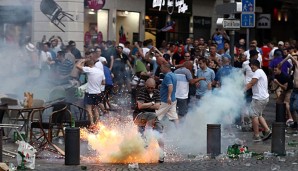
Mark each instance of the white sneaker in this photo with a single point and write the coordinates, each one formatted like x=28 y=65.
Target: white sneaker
x=289 y=122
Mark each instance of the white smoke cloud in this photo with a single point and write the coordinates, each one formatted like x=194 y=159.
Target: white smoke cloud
x=221 y=106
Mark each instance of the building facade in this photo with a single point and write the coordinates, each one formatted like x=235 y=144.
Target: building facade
x=129 y=20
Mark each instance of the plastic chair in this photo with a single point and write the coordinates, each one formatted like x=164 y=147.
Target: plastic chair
x=54 y=12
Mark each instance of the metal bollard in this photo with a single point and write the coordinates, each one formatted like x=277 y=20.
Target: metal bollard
x=213 y=140
x=72 y=146
x=278 y=138
x=280 y=112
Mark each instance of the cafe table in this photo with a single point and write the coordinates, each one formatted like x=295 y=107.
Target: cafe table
x=23 y=114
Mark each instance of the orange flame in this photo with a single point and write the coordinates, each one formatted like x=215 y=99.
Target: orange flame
x=120 y=144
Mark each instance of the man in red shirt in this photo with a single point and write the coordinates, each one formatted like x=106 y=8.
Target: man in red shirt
x=265 y=58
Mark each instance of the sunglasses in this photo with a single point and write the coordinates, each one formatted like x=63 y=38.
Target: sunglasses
x=151 y=88
x=187 y=56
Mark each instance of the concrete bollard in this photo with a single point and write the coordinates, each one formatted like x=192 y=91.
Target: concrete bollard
x=72 y=146
x=280 y=112
x=213 y=139
x=278 y=138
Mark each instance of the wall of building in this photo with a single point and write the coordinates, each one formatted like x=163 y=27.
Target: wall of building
x=15 y=2
x=207 y=9
x=74 y=30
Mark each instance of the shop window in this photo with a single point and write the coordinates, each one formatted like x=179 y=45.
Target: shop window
x=127 y=26
x=96 y=26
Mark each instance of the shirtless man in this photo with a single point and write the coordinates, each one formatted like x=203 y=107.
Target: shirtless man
x=294 y=95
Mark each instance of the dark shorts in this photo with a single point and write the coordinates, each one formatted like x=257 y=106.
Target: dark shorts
x=248 y=96
x=182 y=107
x=93 y=99
x=148 y=119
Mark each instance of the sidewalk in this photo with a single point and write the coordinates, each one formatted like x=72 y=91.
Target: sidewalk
x=189 y=162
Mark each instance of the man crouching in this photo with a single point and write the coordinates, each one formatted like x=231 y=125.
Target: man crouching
x=148 y=100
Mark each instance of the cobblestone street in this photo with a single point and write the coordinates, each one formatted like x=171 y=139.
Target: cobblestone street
x=184 y=161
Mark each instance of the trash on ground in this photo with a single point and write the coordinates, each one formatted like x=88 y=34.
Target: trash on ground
x=133 y=166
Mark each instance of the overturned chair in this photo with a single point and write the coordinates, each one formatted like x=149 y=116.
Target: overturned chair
x=54 y=12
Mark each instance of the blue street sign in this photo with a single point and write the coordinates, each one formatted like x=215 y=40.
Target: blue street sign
x=248 y=20
x=248 y=5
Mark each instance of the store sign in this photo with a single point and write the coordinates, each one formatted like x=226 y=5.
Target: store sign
x=96 y=4
x=264 y=21
x=182 y=6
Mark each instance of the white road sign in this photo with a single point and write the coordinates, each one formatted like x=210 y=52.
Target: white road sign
x=231 y=24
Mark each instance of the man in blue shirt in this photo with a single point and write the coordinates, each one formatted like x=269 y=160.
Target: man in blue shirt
x=63 y=69
x=220 y=36
x=225 y=70
x=205 y=77
x=167 y=95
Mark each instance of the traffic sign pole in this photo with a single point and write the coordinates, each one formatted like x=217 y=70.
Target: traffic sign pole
x=248 y=17
x=247 y=38
x=232 y=38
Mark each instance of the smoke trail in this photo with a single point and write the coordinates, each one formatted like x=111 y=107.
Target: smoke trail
x=221 y=106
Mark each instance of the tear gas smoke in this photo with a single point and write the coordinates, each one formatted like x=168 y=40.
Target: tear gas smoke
x=221 y=106
x=15 y=63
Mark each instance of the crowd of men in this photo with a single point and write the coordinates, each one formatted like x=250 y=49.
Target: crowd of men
x=162 y=81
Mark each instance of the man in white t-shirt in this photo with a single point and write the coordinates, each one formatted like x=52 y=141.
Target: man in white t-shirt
x=184 y=77
x=273 y=48
x=93 y=95
x=46 y=59
x=146 y=47
x=260 y=99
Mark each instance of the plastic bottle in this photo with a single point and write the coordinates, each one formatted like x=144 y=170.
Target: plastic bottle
x=293 y=143
x=73 y=123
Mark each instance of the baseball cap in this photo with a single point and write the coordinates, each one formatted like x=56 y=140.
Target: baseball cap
x=121 y=45
x=281 y=43
x=102 y=59
x=92 y=50
x=30 y=47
